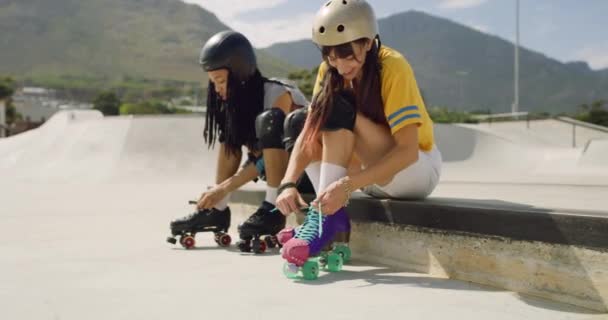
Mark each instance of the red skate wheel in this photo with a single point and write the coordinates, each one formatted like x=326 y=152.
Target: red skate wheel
x=224 y=240
x=262 y=247
x=270 y=241
x=258 y=246
x=244 y=246
x=188 y=242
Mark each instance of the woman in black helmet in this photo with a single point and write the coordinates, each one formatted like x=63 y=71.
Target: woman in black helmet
x=243 y=109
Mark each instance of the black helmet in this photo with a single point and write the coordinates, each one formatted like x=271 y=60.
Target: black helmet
x=230 y=50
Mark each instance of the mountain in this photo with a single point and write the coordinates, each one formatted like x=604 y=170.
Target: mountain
x=154 y=39
x=462 y=68
x=301 y=53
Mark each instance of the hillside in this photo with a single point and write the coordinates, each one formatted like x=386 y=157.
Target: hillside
x=154 y=39
x=465 y=69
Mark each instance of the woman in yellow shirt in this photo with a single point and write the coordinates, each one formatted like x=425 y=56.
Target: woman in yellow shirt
x=367 y=114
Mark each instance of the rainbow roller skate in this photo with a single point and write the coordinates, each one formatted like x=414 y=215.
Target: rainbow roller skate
x=312 y=246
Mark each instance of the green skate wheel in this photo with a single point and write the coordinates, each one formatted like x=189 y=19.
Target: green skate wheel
x=290 y=270
x=310 y=270
x=334 y=262
x=344 y=251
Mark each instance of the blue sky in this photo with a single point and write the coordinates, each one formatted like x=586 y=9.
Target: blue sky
x=566 y=30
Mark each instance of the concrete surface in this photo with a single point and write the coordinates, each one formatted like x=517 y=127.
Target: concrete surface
x=473 y=154
x=538 y=195
x=595 y=153
x=85 y=205
x=564 y=273
x=541 y=133
x=94 y=251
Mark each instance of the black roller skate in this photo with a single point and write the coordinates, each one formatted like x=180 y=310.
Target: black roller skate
x=265 y=221
x=208 y=220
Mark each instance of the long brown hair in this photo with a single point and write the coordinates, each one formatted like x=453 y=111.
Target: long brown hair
x=368 y=98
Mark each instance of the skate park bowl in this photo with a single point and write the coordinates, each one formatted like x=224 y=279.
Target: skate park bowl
x=511 y=212
x=595 y=153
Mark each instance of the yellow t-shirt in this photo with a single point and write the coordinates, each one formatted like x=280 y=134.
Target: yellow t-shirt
x=403 y=103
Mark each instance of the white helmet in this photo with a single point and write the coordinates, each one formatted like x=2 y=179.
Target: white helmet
x=343 y=21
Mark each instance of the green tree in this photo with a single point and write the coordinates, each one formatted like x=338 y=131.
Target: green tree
x=594 y=113
x=108 y=103
x=7 y=89
x=443 y=115
x=305 y=79
x=145 y=107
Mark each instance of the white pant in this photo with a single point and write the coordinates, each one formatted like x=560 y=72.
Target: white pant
x=414 y=182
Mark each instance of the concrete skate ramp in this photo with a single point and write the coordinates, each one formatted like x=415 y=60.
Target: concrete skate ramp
x=458 y=143
x=543 y=133
x=72 y=146
x=474 y=154
x=467 y=148
x=158 y=149
x=83 y=146
x=160 y=162
x=595 y=154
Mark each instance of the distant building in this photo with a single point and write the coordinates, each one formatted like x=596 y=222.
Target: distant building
x=38 y=104
x=35 y=91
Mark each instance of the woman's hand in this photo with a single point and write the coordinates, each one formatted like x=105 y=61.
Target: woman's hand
x=290 y=201
x=210 y=198
x=331 y=199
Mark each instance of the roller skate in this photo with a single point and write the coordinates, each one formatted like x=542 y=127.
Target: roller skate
x=342 y=234
x=266 y=221
x=320 y=243
x=208 y=220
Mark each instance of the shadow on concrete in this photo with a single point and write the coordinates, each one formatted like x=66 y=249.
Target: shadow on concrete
x=549 y=237
x=487 y=221
x=375 y=275
x=551 y=305
x=269 y=253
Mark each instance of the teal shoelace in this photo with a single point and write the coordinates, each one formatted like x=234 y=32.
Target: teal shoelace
x=313 y=225
x=307 y=228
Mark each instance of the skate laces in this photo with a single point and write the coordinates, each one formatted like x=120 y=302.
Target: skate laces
x=312 y=226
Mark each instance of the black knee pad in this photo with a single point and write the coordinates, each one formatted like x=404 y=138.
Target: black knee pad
x=343 y=112
x=269 y=128
x=294 y=123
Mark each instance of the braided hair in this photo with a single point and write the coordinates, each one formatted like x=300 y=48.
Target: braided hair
x=232 y=122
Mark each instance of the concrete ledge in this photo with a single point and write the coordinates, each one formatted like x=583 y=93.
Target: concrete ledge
x=554 y=254
x=493 y=218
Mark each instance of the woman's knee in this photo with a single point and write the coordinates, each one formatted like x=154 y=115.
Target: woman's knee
x=269 y=128
x=292 y=127
x=343 y=113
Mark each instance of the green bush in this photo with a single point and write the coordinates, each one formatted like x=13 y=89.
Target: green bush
x=305 y=80
x=7 y=87
x=443 y=115
x=595 y=113
x=108 y=103
x=149 y=107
